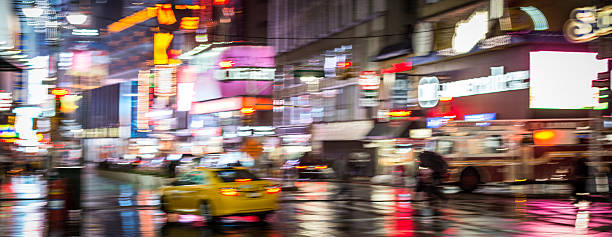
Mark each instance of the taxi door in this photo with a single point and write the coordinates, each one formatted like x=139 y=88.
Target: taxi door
x=193 y=193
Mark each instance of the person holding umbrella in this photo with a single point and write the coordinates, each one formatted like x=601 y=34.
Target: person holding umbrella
x=432 y=169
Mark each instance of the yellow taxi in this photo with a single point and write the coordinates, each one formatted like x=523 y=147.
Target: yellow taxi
x=218 y=192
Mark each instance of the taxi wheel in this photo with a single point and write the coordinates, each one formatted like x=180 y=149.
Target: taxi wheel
x=263 y=216
x=163 y=205
x=205 y=212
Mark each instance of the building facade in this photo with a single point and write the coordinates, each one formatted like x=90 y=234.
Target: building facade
x=322 y=47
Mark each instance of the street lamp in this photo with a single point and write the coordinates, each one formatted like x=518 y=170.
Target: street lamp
x=76 y=18
x=32 y=11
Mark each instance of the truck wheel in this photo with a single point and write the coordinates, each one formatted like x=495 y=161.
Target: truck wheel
x=469 y=180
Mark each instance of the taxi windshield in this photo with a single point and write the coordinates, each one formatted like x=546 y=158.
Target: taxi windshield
x=235 y=175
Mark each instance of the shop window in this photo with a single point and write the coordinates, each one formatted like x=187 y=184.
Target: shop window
x=445 y=147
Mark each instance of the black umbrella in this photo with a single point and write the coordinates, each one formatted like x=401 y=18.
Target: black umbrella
x=433 y=161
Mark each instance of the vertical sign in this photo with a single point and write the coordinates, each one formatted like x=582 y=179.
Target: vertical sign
x=369 y=82
x=142 y=103
x=165 y=81
x=404 y=93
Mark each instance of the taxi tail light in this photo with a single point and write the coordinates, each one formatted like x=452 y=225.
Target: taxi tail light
x=301 y=167
x=321 y=167
x=242 y=180
x=228 y=191
x=273 y=189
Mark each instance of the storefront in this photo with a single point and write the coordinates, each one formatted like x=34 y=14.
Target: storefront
x=232 y=96
x=395 y=143
x=507 y=73
x=345 y=140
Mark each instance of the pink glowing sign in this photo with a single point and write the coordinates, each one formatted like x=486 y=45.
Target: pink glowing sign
x=81 y=61
x=249 y=56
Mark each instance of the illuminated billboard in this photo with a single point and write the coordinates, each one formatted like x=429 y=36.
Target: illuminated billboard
x=563 y=80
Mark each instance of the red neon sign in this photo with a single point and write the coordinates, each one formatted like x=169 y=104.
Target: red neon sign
x=220 y=2
x=399 y=67
x=400 y=113
x=446 y=99
x=247 y=110
x=344 y=64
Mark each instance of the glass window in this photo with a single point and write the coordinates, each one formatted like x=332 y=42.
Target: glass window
x=445 y=147
x=195 y=177
x=232 y=175
x=494 y=144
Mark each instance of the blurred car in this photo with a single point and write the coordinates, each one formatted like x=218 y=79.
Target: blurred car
x=217 y=192
x=313 y=169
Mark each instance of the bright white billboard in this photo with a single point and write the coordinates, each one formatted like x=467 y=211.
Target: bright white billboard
x=563 y=80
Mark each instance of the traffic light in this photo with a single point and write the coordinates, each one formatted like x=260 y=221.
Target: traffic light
x=603 y=83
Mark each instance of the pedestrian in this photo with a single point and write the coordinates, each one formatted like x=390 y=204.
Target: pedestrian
x=343 y=172
x=581 y=174
x=172 y=168
x=2 y=172
x=400 y=174
x=437 y=170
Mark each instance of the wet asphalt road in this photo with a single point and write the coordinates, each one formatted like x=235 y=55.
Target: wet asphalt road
x=114 y=208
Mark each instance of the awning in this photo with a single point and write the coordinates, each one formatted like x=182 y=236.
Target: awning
x=394 y=129
x=341 y=131
x=8 y=66
x=387 y=130
x=393 y=51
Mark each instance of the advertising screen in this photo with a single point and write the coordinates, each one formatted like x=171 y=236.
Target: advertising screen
x=563 y=80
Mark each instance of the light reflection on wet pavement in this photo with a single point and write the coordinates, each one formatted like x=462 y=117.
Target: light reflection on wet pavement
x=114 y=208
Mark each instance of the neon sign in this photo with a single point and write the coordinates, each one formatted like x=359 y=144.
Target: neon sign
x=369 y=82
x=537 y=17
x=6 y=101
x=563 y=80
x=588 y=23
x=498 y=81
x=428 y=92
x=226 y=64
x=142 y=100
x=400 y=113
x=431 y=91
x=480 y=117
x=437 y=122
x=399 y=67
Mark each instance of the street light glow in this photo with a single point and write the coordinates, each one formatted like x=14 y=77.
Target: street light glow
x=76 y=18
x=32 y=11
